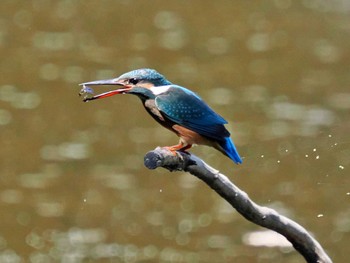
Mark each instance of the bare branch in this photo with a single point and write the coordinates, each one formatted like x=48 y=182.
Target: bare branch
x=266 y=217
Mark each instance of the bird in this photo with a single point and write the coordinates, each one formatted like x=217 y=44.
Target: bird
x=176 y=108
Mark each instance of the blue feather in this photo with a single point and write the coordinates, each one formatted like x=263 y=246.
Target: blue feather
x=184 y=107
x=230 y=150
x=146 y=74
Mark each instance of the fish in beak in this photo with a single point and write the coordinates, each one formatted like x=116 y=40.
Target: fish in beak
x=88 y=93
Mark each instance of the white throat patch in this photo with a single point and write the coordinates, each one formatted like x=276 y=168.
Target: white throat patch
x=160 y=89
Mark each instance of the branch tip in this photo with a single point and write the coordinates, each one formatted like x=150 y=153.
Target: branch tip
x=302 y=241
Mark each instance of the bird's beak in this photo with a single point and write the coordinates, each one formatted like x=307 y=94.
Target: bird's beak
x=116 y=82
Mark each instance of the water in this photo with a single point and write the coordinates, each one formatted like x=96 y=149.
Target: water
x=73 y=185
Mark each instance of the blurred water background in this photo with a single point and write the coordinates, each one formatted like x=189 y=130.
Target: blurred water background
x=73 y=187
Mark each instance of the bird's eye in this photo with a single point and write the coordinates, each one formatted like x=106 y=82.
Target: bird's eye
x=133 y=81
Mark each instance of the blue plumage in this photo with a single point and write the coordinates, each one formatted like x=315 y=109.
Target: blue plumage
x=230 y=150
x=176 y=108
x=146 y=74
x=182 y=106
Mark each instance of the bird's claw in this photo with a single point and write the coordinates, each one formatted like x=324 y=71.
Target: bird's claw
x=175 y=150
x=171 y=149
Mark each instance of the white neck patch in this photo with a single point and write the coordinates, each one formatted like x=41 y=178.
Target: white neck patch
x=160 y=89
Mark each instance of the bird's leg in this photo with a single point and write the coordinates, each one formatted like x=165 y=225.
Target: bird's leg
x=178 y=147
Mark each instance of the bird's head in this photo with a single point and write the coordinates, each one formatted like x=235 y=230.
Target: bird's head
x=139 y=78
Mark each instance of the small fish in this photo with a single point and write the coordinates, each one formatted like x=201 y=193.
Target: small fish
x=87 y=93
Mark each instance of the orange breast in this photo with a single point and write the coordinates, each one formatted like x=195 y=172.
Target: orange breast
x=190 y=137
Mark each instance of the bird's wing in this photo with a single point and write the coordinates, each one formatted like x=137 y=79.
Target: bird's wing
x=185 y=108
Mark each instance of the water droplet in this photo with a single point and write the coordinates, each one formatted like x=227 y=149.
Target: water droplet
x=314 y=150
x=341 y=167
x=317 y=157
x=320 y=215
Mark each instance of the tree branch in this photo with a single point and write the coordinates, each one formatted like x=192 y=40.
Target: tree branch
x=266 y=217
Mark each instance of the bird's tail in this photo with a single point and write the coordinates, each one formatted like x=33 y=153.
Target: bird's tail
x=229 y=149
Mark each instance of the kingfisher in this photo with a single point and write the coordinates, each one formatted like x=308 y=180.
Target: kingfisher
x=176 y=108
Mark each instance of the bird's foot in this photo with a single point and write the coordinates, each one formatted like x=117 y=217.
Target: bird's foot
x=173 y=149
